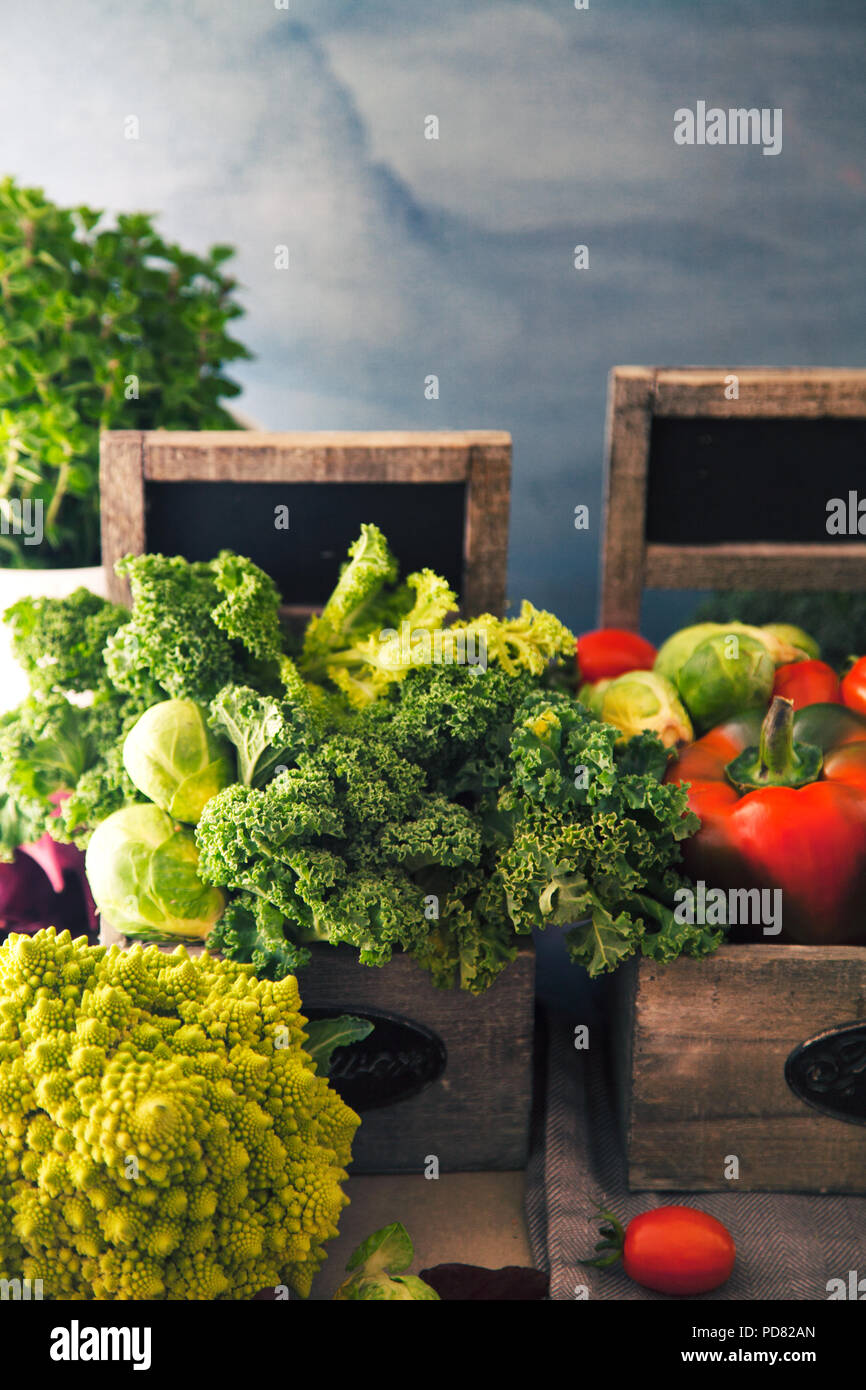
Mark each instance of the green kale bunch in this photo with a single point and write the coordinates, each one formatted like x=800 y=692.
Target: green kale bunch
x=94 y=668
x=334 y=848
x=447 y=820
x=373 y=631
x=590 y=836
x=195 y=627
x=101 y=327
x=397 y=802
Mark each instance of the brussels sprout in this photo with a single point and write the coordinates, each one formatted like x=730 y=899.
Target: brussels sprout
x=592 y=695
x=645 y=700
x=174 y=759
x=141 y=867
x=677 y=650
x=725 y=675
x=794 y=637
x=377 y=1270
x=780 y=651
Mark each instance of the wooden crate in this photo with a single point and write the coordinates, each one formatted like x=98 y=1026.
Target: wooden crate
x=474 y=1115
x=643 y=399
x=700 y=1048
x=197 y=466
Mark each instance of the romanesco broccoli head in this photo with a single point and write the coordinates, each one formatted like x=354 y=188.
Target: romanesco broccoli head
x=163 y=1133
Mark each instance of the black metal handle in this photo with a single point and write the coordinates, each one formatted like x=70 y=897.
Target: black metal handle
x=828 y=1072
x=397 y=1060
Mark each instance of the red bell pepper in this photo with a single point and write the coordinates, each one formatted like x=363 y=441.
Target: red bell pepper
x=807 y=683
x=611 y=652
x=783 y=805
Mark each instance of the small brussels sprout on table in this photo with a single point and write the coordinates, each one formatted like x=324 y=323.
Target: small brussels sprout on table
x=377 y=1270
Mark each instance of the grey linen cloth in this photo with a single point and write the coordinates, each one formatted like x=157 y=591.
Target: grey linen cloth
x=788 y=1245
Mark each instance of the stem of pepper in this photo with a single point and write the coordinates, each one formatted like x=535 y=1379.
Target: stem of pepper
x=778 y=761
x=777 y=737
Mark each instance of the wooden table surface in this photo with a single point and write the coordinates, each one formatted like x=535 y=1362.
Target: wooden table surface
x=466 y=1218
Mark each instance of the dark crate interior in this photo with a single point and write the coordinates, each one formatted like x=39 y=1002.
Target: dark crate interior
x=424 y=523
x=714 y=480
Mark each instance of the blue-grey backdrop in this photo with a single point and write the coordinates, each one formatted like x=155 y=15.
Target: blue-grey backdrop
x=302 y=123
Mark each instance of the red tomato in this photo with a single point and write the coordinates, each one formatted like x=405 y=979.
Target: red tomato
x=854 y=686
x=678 y=1250
x=610 y=652
x=808 y=683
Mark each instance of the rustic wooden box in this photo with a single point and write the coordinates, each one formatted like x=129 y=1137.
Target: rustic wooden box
x=207 y=474
x=700 y=1049
x=473 y=1054
x=475 y=1115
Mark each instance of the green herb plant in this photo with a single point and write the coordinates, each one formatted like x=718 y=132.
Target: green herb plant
x=101 y=327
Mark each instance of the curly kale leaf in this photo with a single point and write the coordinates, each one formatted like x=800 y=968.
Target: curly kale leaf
x=249 y=612
x=195 y=627
x=442 y=832
x=49 y=745
x=249 y=933
x=350 y=612
x=265 y=731
x=59 y=642
x=373 y=633
x=404 y=634
x=454 y=721
x=332 y=843
x=470 y=938
x=171 y=640
x=529 y=642
x=100 y=791
x=590 y=836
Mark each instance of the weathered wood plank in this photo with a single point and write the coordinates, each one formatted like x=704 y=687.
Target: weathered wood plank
x=121 y=486
x=804 y=393
x=780 y=1156
x=477 y=1115
x=701 y=1048
x=485 y=539
x=628 y=442
x=766 y=565
x=325 y=457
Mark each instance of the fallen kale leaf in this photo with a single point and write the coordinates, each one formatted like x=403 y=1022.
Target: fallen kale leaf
x=326 y=1035
x=377 y=1270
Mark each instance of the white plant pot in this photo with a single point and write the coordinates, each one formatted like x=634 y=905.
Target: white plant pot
x=16 y=584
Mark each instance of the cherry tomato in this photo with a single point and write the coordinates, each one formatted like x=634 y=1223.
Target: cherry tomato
x=678 y=1250
x=808 y=683
x=610 y=652
x=854 y=686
